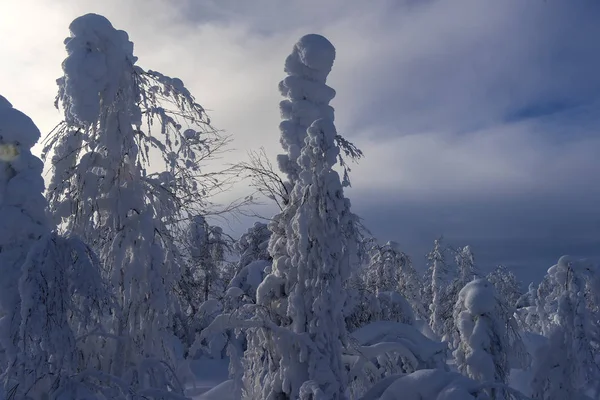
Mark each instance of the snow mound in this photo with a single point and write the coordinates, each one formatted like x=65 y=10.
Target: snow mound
x=431 y=385
x=311 y=58
x=93 y=70
x=316 y=52
x=429 y=353
x=478 y=297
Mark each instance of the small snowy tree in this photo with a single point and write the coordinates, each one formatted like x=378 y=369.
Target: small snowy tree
x=312 y=243
x=465 y=262
x=253 y=245
x=439 y=271
x=53 y=295
x=506 y=284
x=207 y=248
x=62 y=299
x=484 y=349
x=391 y=270
x=567 y=366
x=22 y=212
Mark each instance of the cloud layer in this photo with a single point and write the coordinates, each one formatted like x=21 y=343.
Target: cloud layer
x=479 y=120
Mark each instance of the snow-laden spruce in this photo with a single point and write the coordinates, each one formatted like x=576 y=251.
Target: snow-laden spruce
x=439 y=271
x=312 y=242
x=567 y=366
x=465 y=262
x=22 y=212
x=117 y=116
x=488 y=341
x=306 y=100
x=310 y=275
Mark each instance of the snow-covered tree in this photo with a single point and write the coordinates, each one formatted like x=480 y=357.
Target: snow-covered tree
x=465 y=262
x=391 y=270
x=312 y=243
x=117 y=116
x=312 y=271
x=383 y=271
x=253 y=245
x=567 y=366
x=484 y=349
x=439 y=271
x=22 y=212
x=62 y=299
x=527 y=310
x=506 y=284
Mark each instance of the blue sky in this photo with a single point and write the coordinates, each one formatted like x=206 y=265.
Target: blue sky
x=479 y=119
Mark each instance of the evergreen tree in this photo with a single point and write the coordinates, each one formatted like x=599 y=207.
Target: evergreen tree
x=567 y=366
x=439 y=272
x=312 y=243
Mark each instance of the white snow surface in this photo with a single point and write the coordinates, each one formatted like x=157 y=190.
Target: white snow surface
x=478 y=297
x=98 y=54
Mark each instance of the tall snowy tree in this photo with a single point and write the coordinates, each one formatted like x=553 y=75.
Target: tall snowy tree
x=312 y=244
x=102 y=190
x=206 y=251
x=253 y=245
x=439 y=271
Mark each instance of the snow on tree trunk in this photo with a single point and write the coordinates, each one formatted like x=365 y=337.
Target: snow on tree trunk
x=22 y=212
x=103 y=191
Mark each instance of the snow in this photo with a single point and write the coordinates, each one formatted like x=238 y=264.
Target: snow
x=478 y=297
x=431 y=385
x=223 y=391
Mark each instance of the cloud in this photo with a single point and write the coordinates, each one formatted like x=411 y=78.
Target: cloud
x=465 y=109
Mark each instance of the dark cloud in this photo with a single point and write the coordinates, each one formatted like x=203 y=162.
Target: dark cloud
x=528 y=232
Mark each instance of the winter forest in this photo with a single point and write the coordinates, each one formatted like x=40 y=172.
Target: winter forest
x=119 y=283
